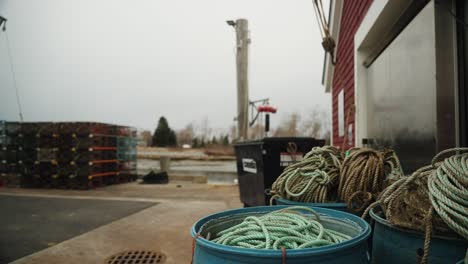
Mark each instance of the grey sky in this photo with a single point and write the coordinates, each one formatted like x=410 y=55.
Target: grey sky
x=129 y=62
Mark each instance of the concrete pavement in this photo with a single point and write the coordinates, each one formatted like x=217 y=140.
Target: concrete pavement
x=164 y=227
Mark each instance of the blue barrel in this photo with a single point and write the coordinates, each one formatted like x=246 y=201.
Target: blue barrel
x=392 y=244
x=350 y=252
x=335 y=206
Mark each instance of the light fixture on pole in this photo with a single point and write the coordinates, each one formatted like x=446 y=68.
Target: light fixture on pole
x=231 y=23
x=3 y=22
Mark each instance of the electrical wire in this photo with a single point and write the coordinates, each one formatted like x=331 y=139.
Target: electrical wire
x=14 y=76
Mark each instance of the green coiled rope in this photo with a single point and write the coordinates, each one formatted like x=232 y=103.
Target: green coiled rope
x=312 y=180
x=289 y=228
x=448 y=190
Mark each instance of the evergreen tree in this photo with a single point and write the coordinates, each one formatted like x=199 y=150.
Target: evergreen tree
x=214 y=141
x=226 y=140
x=202 y=144
x=172 y=141
x=163 y=135
x=195 y=143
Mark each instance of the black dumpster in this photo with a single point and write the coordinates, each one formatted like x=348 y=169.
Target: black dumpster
x=260 y=162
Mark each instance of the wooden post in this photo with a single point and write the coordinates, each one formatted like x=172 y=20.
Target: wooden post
x=242 y=57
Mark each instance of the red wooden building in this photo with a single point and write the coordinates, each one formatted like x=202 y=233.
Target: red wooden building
x=348 y=14
x=399 y=76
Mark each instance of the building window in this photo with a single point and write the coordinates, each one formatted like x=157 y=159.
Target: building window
x=341 y=121
x=350 y=135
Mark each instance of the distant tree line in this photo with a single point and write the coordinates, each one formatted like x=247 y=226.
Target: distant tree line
x=164 y=136
x=315 y=124
x=201 y=142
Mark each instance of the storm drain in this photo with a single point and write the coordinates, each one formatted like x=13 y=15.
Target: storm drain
x=137 y=257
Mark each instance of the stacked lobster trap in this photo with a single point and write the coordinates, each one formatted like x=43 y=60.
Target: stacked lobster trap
x=11 y=153
x=76 y=155
x=126 y=150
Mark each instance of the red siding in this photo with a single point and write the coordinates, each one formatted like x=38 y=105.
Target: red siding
x=343 y=77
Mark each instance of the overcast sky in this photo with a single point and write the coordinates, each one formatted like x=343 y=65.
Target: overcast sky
x=129 y=62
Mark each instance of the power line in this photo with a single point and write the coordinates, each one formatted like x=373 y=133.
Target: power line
x=13 y=74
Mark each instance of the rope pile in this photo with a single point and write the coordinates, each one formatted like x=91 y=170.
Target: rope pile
x=448 y=192
x=289 y=228
x=312 y=180
x=364 y=174
x=410 y=202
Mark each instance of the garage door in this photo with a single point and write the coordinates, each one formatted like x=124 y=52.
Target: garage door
x=401 y=93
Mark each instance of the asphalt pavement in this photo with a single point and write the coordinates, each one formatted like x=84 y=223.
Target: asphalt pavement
x=30 y=224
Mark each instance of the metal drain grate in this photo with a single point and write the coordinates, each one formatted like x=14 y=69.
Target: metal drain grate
x=137 y=257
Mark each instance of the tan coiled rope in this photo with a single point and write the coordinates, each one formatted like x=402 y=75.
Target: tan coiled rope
x=364 y=174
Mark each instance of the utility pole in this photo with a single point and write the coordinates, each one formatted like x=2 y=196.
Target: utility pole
x=242 y=58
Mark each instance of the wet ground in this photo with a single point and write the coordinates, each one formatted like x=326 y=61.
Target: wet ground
x=131 y=223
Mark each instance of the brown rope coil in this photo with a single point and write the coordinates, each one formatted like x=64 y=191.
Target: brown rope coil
x=364 y=174
x=406 y=204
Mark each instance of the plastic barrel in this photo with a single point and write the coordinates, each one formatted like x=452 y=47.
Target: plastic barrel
x=351 y=251
x=335 y=206
x=392 y=244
